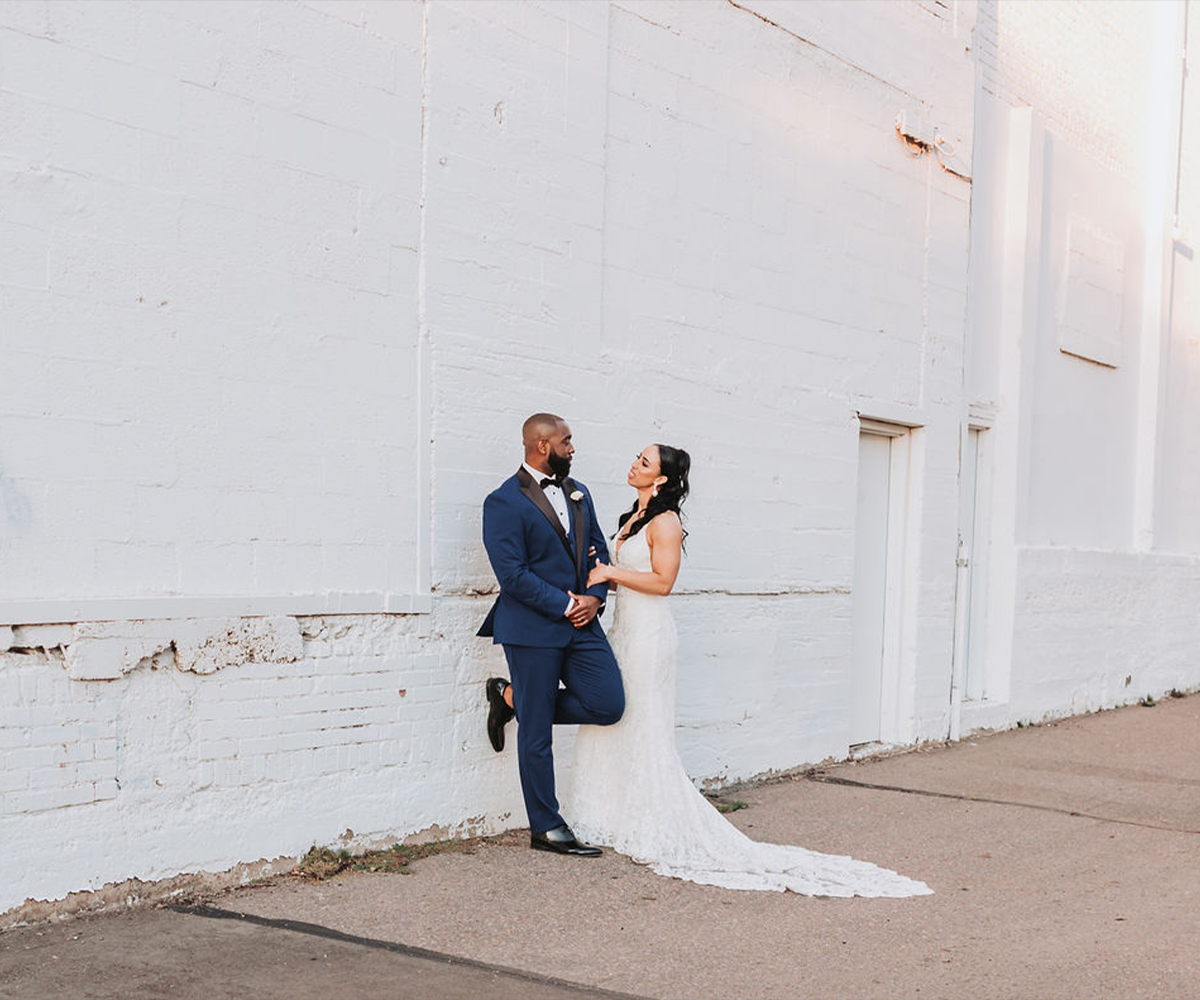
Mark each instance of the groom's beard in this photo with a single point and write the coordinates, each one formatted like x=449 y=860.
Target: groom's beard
x=560 y=465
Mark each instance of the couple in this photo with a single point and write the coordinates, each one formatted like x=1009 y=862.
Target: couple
x=630 y=789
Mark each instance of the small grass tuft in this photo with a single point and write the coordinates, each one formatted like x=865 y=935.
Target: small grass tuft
x=732 y=806
x=1147 y=701
x=321 y=863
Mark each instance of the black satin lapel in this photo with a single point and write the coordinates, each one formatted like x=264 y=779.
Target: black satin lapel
x=534 y=492
x=578 y=525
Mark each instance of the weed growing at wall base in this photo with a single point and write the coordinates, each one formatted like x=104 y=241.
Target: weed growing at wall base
x=321 y=863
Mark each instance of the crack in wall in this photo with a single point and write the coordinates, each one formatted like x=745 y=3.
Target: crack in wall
x=92 y=651
x=832 y=55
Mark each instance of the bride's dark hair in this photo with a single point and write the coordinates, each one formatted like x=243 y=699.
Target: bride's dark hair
x=674 y=463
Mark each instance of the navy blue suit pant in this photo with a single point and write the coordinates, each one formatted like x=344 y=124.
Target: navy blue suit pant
x=592 y=694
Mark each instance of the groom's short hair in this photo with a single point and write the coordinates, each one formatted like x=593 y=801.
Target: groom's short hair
x=538 y=426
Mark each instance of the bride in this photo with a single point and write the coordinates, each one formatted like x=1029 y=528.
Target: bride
x=630 y=790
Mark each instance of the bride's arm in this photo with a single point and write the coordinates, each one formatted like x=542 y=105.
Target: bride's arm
x=665 y=537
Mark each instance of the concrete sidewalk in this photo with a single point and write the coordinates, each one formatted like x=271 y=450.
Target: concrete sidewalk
x=1065 y=861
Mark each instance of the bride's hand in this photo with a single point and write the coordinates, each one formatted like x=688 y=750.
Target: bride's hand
x=599 y=574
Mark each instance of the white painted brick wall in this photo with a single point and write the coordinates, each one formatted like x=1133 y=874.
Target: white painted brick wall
x=1083 y=64
x=278 y=283
x=163 y=770
x=1102 y=606
x=1177 y=527
x=773 y=260
x=1096 y=629
x=206 y=333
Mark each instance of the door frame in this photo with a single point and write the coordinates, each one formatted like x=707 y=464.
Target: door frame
x=897 y=692
x=969 y=677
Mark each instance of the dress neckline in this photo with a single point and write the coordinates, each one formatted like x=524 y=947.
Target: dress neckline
x=621 y=543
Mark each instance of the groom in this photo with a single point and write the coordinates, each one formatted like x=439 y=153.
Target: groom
x=541 y=535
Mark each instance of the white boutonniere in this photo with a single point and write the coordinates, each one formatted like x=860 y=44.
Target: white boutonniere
x=577 y=495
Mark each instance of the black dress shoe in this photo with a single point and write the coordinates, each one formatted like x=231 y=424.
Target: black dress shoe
x=561 y=840
x=498 y=713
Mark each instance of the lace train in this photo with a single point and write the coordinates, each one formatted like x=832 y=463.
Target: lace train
x=630 y=792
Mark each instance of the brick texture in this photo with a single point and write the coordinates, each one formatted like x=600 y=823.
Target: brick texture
x=207 y=333
x=279 y=281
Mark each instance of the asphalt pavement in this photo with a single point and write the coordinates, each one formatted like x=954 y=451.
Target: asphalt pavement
x=1064 y=859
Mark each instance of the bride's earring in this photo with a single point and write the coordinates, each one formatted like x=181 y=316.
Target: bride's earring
x=654 y=490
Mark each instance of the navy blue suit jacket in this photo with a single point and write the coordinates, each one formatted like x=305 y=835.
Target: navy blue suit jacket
x=536 y=562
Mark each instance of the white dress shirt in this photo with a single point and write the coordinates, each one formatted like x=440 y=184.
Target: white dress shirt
x=559 y=502
x=555 y=495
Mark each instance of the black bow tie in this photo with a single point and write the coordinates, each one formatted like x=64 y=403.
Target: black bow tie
x=556 y=481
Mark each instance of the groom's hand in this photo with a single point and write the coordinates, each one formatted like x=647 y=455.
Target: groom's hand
x=584 y=609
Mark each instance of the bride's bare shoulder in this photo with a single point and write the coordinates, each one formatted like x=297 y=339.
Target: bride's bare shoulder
x=665 y=527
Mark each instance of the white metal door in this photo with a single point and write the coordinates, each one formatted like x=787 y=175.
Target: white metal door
x=974 y=522
x=969 y=680
x=870 y=585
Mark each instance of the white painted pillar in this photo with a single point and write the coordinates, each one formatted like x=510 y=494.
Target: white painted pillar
x=1163 y=135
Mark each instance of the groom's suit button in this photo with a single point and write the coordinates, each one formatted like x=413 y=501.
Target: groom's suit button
x=561 y=840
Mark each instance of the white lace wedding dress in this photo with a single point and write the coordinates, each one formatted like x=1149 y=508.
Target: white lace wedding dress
x=630 y=792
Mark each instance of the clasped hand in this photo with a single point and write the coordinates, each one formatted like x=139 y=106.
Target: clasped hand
x=583 y=610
